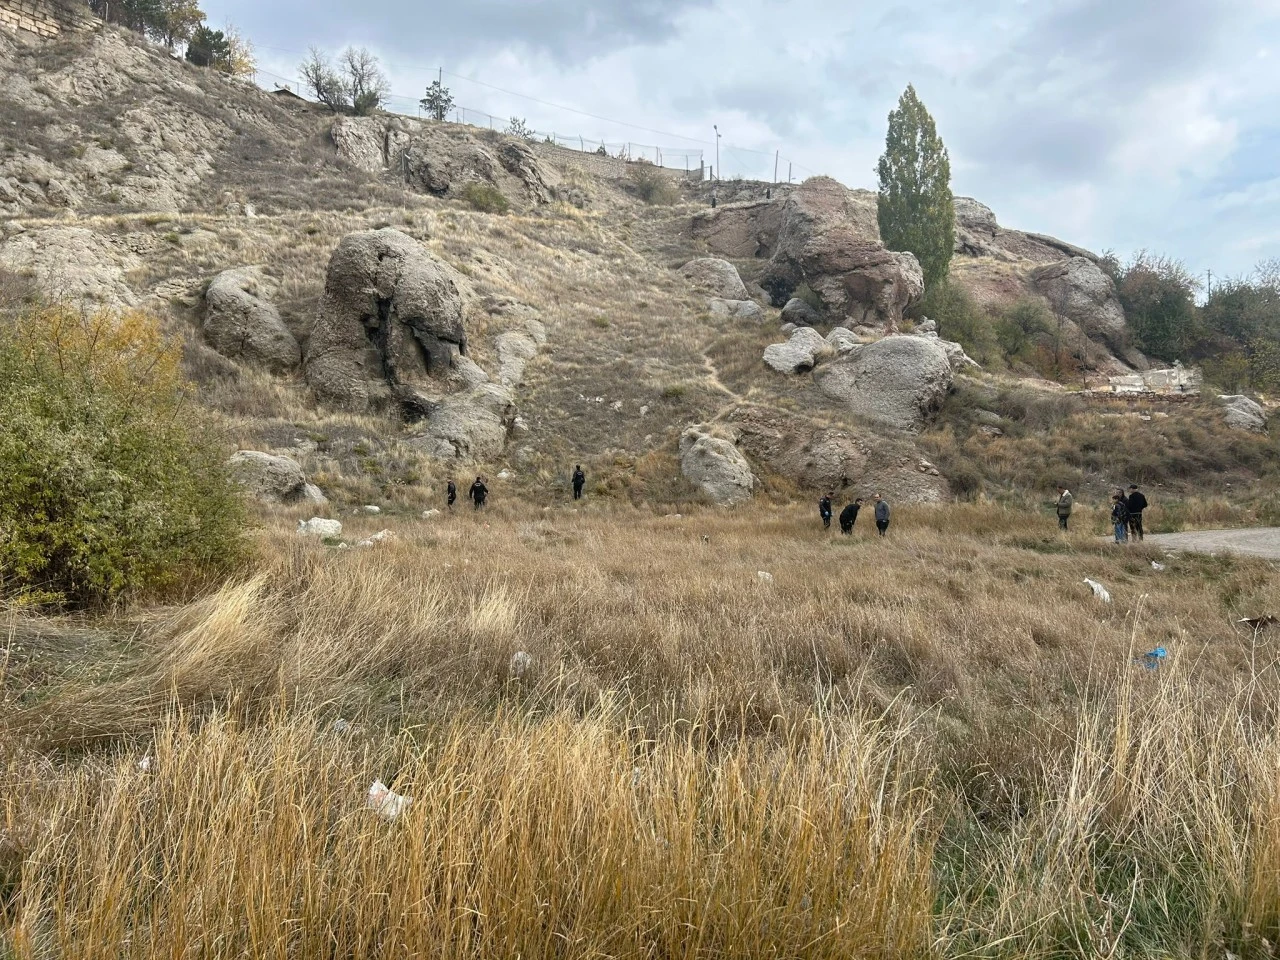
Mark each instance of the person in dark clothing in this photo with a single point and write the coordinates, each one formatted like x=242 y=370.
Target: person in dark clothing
x=1065 y=503
x=882 y=515
x=479 y=492
x=849 y=516
x=1120 y=518
x=579 y=481
x=452 y=491
x=824 y=511
x=1136 y=503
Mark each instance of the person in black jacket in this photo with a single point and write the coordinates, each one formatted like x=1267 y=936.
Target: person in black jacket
x=479 y=492
x=1136 y=503
x=1120 y=518
x=579 y=481
x=824 y=511
x=452 y=493
x=849 y=516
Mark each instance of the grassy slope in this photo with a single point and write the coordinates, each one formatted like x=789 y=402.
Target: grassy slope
x=961 y=664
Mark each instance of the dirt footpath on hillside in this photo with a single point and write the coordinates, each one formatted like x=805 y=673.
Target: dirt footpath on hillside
x=1255 y=542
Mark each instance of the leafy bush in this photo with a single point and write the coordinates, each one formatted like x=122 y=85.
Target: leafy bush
x=960 y=319
x=111 y=485
x=485 y=198
x=653 y=185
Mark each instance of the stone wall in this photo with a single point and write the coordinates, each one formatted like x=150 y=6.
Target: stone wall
x=45 y=18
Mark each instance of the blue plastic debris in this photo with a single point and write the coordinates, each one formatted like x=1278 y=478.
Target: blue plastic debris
x=1153 y=659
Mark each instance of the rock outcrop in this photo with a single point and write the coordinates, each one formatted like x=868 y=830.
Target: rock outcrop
x=799 y=312
x=242 y=323
x=272 y=479
x=473 y=425
x=1243 y=414
x=716 y=277
x=74 y=264
x=898 y=381
x=715 y=466
x=800 y=354
x=1078 y=290
x=390 y=325
x=737 y=309
x=856 y=460
x=824 y=245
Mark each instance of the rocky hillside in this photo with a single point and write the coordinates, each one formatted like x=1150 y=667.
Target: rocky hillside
x=389 y=301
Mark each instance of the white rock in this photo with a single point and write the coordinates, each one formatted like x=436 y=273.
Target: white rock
x=521 y=663
x=738 y=309
x=380 y=537
x=386 y=802
x=506 y=475
x=1098 y=589
x=370 y=508
x=320 y=527
x=430 y=514
x=765 y=576
x=1243 y=413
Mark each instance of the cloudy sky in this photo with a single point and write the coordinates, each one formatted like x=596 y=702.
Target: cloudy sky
x=1115 y=124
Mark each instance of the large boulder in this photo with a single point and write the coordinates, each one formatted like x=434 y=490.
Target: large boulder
x=824 y=244
x=716 y=277
x=390 y=324
x=515 y=350
x=898 y=381
x=272 y=479
x=800 y=354
x=473 y=425
x=856 y=460
x=800 y=313
x=1079 y=290
x=242 y=323
x=741 y=230
x=715 y=466
x=1243 y=414
x=737 y=309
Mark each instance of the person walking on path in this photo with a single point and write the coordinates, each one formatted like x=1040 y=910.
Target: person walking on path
x=849 y=516
x=1136 y=503
x=479 y=492
x=882 y=515
x=579 y=481
x=1120 y=518
x=1065 y=503
x=824 y=511
x=452 y=493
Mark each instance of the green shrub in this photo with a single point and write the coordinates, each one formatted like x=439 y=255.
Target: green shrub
x=111 y=484
x=960 y=319
x=653 y=185
x=485 y=198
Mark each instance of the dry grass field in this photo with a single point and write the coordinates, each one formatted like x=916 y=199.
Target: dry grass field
x=939 y=744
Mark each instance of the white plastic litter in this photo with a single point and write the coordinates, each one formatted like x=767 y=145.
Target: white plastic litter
x=521 y=663
x=145 y=764
x=1098 y=589
x=320 y=527
x=386 y=802
x=1157 y=565
x=764 y=576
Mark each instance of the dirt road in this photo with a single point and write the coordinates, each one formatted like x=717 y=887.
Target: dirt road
x=1255 y=542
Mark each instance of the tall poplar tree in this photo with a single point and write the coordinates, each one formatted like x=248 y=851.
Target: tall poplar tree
x=915 y=207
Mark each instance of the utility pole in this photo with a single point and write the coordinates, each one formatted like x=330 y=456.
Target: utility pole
x=1209 y=295
x=775 y=165
x=717 y=169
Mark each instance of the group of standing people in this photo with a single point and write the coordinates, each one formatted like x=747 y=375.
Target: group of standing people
x=479 y=491
x=849 y=515
x=1126 y=512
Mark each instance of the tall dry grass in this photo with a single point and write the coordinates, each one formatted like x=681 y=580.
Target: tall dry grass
x=934 y=745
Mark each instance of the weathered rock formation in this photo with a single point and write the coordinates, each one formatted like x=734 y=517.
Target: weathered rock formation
x=855 y=461
x=799 y=312
x=715 y=466
x=473 y=425
x=242 y=323
x=717 y=277
x=272 y=479
x=898 y=381
x=823 y=244
x=737 y=309
x=800 y=354
x=73 y=264
x=1243 y=414
x=390 y=325
x=1078 y=290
